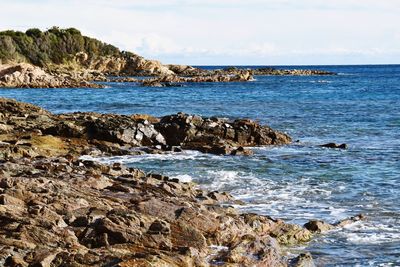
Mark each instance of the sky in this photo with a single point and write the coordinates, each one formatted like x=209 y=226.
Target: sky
x=227 y=32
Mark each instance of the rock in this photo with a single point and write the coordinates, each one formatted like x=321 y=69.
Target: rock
x=318 y=226
x=303 y=260
x=159 y=227
x=24 y=75
x=59 y=210
x=15 y=261
x=241 y=151
x=342 y=223
x=272 y=71
x=334 y=145
x=173 y=80
x=97 y=134
x=219 y=136
x=251 y=251
x=10 y=200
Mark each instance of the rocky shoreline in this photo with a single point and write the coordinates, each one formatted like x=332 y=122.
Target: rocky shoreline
x=24 y=75
x=64 y=58
x=57 y=209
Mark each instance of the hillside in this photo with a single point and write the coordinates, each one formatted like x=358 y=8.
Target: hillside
x=54 y=46
x=69 y=49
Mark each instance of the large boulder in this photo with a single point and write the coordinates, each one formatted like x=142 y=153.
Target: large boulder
x=216 y=135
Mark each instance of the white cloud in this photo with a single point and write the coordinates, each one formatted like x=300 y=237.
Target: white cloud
x=222 y=31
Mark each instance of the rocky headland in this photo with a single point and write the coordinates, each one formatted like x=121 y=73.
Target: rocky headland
x=65 y=58
x=58 y=209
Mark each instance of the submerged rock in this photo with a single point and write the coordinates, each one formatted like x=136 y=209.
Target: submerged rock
x=334 y=145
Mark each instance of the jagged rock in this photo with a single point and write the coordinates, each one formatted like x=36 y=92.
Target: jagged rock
x=303 y=260
x=318 y=226
x=218 y=136
x=94 y=134
x=62 y=211
x=159 y=227
x=58 y=210
x=241 y=151
x=174 y=80
x=342 y=223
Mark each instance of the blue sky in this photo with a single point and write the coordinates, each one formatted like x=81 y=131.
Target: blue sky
x=228 y=32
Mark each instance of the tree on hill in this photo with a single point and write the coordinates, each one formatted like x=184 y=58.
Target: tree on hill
x=54 y=46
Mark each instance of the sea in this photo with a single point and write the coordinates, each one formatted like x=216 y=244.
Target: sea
x=298 y=182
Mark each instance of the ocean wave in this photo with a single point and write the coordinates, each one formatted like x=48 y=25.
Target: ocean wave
x=321 y=81
x=169 y=156
x=365 y=232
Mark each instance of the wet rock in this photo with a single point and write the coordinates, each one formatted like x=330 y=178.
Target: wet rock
x=317 y=226
x=220 y=197
x=303 y=260
x=241 y=151
x=334 y=145
x=342 y=223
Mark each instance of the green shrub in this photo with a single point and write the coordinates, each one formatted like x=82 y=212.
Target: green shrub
x=54 y=46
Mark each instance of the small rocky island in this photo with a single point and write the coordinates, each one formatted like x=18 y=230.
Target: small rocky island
x=57 y=208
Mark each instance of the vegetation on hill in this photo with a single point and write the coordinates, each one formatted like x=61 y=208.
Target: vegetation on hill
x=54 y=46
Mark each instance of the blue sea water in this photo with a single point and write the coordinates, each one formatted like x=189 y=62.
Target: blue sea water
x=297 y=182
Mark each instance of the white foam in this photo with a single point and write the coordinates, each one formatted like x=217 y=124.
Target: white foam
x=184 y=178
x=222 y=178
x=321 y=81
x=337 y=212
x=169 y=156
x=365 y=232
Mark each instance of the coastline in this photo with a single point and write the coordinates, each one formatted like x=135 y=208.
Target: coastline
x=63 y=209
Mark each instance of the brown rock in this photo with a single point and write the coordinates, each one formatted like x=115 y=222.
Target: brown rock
x=318 y=226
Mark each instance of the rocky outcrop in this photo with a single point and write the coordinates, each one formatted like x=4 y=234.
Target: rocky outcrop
x=291 y=72
x=59 y=210
x=216 y=135
x=173 y=80
x=121 y=133
x=273 y=71
x=184 y=70
x=29 y=76
x=125 y=64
